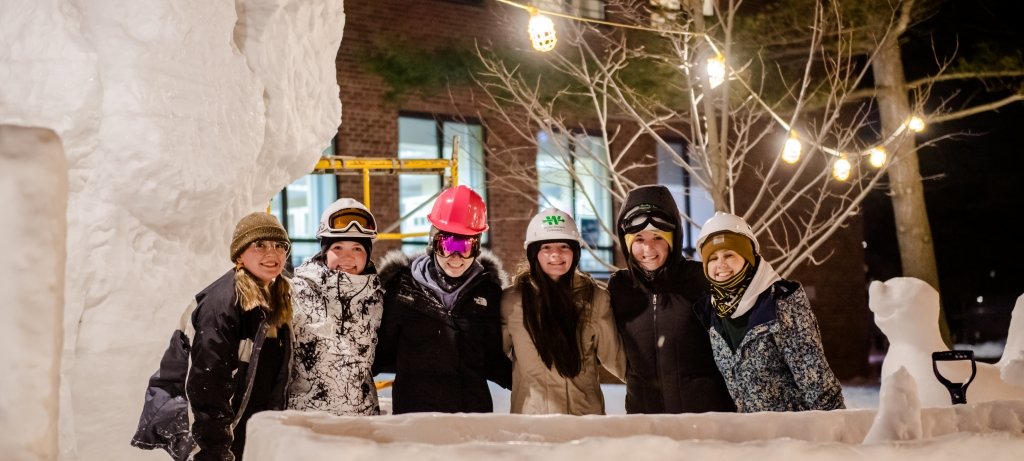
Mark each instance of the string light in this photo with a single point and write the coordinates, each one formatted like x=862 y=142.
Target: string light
x=916 y=124
x=841 y=168
x=876 y=156
x=716 y=70
x=542 y=36
x=542 y=31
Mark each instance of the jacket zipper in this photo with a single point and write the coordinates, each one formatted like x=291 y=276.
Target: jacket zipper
x=261 y=335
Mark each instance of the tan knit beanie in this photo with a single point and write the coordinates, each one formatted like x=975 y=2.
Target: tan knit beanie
x=727 y=240
x=253 y=227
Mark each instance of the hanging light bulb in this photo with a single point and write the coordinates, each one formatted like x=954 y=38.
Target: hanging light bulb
x=791 y=151
x=542 y=31
x=876 y=157
x=716 y=70
x=916 y=124
x=841 y=168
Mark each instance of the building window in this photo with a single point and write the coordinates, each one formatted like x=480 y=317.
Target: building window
x=586 y=197
x=591 y=9
x=692 y=200
x=431 y=138
x=299 y=205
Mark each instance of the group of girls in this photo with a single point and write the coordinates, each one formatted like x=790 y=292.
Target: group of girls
x=724 y=334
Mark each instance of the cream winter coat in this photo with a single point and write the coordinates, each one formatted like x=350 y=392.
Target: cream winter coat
x=537 y=389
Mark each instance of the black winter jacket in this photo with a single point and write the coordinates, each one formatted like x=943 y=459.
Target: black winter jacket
x=441 y=359
x=669 y=363
x=670 y=366
x=222 y=361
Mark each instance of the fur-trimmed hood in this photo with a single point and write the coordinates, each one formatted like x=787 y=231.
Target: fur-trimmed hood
x=395 y=261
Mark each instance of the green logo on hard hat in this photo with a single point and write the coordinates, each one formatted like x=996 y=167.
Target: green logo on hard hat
x=553 y=220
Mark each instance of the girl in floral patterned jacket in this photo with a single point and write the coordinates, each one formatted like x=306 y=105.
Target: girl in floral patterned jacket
x=338 y=306
x=764 y=335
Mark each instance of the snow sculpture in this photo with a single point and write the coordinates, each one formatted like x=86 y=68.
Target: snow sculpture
x=1011 y=364
x=899 y=410
x=33 y=183
x=177 y=117
x=906 y=309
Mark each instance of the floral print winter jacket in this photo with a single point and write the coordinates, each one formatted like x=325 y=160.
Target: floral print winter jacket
x=336 y=317
x=780 y=364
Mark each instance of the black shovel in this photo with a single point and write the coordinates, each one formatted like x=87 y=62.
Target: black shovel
x=957 y=391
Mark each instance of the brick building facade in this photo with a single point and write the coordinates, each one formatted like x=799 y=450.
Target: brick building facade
x=369 y=127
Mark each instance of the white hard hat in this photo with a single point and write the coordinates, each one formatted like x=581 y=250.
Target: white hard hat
x=551 y=224
x=726 y=222
x=347 y=218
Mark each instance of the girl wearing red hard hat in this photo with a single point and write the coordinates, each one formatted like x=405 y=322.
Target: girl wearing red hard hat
x=441 y=332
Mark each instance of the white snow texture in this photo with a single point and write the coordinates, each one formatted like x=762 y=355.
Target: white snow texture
x=177 y=118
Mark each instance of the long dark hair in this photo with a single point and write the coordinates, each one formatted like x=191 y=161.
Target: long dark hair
x=550 y=314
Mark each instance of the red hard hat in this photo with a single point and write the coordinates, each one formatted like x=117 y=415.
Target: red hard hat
x=459 y=210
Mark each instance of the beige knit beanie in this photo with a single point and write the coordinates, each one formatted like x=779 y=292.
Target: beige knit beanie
x=729 y=241
x=253 y=227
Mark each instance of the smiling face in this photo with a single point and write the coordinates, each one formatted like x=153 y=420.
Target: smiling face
x=454 y=265
x=723 y=264
x=555 y=259
x=346 y=256
x=650 y=250
x=263 y=260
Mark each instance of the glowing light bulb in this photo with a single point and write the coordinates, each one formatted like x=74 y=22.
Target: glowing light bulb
x=791 y=151
x=916 y=124
x=716 y=70
x=876 y=157
x=542 y=31
x=841 y=168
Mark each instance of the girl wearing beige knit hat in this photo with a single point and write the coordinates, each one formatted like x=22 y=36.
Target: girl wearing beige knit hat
x=764 y=336
x=230 y=353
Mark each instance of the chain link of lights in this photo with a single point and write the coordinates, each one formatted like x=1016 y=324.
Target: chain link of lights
x=541 y=30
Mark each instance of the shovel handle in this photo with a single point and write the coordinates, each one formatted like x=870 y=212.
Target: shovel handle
x=957 y=391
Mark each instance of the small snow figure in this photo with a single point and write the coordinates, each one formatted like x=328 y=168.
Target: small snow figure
x=899 y=410
x=907 y=310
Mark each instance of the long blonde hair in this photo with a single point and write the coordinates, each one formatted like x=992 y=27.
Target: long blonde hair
x=275 y=299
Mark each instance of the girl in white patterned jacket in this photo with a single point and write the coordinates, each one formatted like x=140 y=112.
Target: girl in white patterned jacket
x=338 y=306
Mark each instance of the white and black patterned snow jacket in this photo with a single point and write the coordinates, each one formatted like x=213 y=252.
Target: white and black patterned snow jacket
x=336 y=317
x=780 y=364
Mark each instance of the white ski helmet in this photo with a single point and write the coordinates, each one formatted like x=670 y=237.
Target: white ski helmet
x=551 y=224
x=347 y=218
x=726 y=222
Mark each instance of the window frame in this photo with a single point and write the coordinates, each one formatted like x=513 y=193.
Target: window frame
x=543 y=202
x=439 y=121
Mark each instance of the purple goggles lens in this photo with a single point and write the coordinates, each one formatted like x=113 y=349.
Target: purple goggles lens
x=464 y=246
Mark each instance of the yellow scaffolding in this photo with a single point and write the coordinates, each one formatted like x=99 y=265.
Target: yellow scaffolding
x=367 y=166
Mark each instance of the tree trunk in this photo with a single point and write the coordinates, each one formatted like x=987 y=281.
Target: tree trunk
x=913 y=232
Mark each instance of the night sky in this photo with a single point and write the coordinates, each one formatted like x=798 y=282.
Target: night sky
x=974 y=188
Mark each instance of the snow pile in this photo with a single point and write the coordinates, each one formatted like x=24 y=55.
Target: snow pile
x=177 y=118
x=982 y=431
x=33 y=184
x=1012 y=362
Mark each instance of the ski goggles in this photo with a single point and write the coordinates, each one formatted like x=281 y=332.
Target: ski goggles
x=344 y=220
x=641 y=217
x=448 y=245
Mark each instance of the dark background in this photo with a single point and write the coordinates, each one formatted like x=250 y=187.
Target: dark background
x=974 y=188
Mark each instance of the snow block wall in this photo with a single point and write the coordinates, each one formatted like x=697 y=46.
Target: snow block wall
x=984 y=431
x=33 y=184
x=177 y=117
